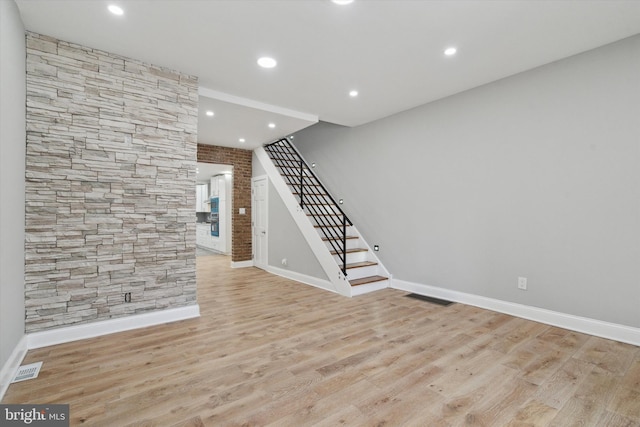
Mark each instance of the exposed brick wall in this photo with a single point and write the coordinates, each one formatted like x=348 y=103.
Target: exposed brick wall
x=110 y=173
x=241 y=224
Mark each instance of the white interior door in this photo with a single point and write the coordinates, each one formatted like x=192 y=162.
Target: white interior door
x=259 y=202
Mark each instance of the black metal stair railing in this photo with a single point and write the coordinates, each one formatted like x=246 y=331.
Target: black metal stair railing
x=313 y=197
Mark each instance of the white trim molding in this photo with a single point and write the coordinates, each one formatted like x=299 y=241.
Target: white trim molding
x=12 y=364
x=120 y=324
x=242 y=264
x=302 y=278
x=613 y=331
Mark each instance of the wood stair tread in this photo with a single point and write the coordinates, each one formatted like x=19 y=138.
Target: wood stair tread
x=360 y=264
x=330 y=226
x=365 y=280
x=326 y=239
x=351 y=251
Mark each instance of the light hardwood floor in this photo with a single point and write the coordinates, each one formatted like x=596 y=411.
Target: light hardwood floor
x=269 y=351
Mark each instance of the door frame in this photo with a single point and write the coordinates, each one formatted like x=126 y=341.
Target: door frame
x=254 y=212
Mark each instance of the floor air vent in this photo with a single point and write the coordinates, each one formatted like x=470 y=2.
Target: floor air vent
x=430 y=299
x=27 y=372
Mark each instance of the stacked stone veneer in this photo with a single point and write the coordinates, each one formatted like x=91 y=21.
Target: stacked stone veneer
x=110 y=173
x=241 y=241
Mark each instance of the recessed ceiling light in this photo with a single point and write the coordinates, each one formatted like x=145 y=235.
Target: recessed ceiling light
x=272 y=125
x=450 y=51
x=266 y=62
x=342 y=2
x=210 y=113
x=353 y=93
x=242 y=140
x=116 y=10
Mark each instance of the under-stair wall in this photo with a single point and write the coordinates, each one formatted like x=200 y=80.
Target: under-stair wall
x=288 y=253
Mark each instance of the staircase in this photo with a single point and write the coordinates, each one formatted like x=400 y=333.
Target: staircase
x=352 y=255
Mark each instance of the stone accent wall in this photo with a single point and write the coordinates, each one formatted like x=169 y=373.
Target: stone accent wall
x=110 y=173
x=241 y=249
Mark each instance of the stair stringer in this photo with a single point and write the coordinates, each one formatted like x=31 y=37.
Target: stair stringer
x=371 y=256
x=336 y=278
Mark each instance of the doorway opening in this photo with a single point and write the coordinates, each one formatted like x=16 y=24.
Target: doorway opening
x=214 y=207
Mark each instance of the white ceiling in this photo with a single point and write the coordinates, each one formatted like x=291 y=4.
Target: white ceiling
x=390 y=51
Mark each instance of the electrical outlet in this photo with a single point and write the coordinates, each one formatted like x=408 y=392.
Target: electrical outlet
x=522 y=283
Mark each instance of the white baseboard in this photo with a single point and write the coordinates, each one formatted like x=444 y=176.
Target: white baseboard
x=613 y=331
x=120 y=324
x=303 y=278
x=11 y=366
x=241 y=264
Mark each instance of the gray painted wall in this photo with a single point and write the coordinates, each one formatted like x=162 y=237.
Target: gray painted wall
x=12 y=161
x=287 y=242
x=536 y=175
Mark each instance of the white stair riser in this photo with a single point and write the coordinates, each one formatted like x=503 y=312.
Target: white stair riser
x=315 y=198
x=333 y=222
x=332 y=231
x=308 y=190
x=357 y=273
x=352 y=257
x=351 y=244
x=332 y=216
x=369 y=287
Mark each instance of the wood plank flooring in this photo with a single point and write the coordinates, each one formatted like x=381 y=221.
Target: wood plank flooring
x=271 y=352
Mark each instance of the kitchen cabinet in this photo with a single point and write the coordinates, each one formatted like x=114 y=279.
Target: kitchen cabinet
x=214 y=186
x=202 y=197
x=206 y=240
x=219 y=186
x=203 y=236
